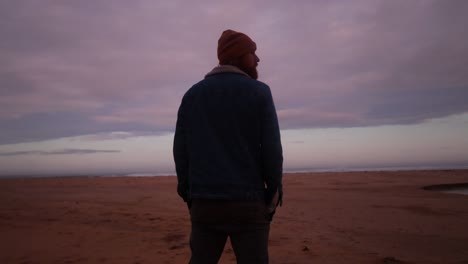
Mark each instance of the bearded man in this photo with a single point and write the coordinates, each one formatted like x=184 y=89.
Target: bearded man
x=228 y=156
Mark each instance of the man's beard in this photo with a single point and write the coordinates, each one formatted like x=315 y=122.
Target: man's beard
x=252 y=72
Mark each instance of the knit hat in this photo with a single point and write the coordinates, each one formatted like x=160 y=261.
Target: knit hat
x=232 y=45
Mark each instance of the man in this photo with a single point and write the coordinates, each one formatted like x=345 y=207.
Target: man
x=228 y=156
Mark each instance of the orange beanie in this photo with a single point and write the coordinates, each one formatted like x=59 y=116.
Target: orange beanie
x=232 y=45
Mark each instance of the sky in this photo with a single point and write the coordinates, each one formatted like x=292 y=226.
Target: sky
x=92 y=87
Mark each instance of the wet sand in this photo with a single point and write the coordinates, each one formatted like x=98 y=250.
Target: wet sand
x=356 y=217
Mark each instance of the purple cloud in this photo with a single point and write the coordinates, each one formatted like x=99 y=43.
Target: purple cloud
x=93 y=67
x=57 y=152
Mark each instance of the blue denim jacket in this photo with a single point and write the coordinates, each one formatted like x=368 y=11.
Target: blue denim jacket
x=227 y=141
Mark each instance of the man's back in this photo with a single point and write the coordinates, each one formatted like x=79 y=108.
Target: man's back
x=223 y=116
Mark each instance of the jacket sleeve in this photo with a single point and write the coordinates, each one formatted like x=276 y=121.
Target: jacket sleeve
x=180 y=152
x=271 y=149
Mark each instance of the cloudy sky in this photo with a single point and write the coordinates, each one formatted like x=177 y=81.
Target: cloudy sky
x=94 y=86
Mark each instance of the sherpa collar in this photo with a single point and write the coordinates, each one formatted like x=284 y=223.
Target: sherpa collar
x=224 y=69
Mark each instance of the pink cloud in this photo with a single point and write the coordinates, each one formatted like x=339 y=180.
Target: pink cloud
x=329 y=64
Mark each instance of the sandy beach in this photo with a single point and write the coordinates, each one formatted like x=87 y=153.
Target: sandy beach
x=342 y=217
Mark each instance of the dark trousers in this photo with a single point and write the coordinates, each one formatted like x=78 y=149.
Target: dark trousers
x=246 y=223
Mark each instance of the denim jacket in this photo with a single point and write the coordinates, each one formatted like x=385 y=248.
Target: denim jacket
x=227 y=141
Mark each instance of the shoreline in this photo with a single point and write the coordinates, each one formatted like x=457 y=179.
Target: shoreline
x=286 y=172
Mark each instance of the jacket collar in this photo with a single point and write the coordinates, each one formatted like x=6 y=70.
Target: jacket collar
x=226 y=69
